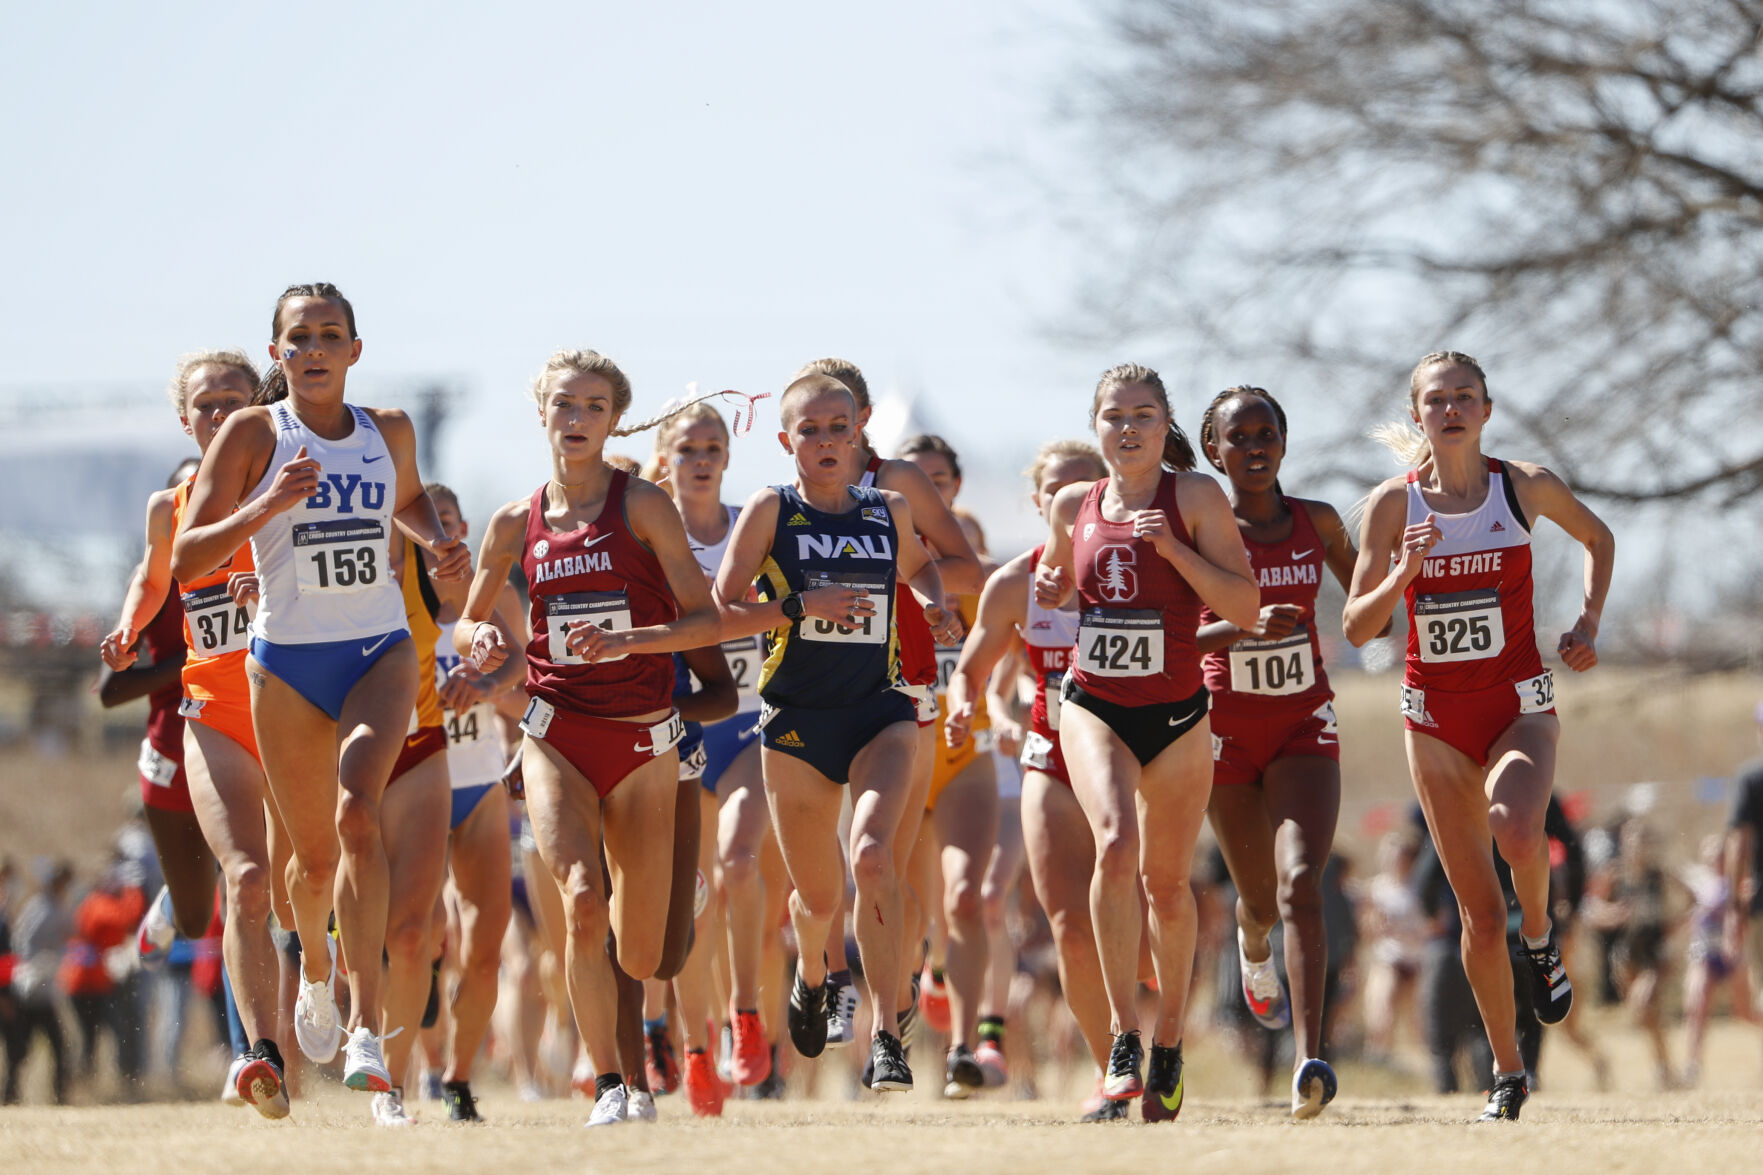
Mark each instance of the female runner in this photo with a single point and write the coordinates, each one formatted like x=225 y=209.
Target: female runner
x=1143 y=549
x=827 y=554
x=959 y=568
x=1477 y=705
x=1061 y=849
x=227 y=791
x=614 y=591
x=333 y=677
x=1276 y=775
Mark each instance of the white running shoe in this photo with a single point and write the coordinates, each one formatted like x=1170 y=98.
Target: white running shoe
x=639 y=1106
x=609 y=1107
x=316 y=1024
x=229 y=1093
x=1262 y=991
x=388 y=1109
x=364 y=1062
x=154 y=936
x=841 y=1016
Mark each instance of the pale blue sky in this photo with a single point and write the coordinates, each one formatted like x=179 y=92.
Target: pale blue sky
x=703 y=192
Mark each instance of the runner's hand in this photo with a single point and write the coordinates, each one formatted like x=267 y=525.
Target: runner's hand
x=294 y=483
x=464 y=688
x=1417 y=540
x=1051 y=587
x=945 y=625
x=844 y=606
x=452 y=560
x=1277 y=621
x=118 y=649
x=1578 y=652
x=244 y=587
x=488 y=647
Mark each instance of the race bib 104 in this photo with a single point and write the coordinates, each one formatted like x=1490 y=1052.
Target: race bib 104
x=1274 y=667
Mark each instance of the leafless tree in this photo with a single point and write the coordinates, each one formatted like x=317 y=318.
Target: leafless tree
x=1570 y=189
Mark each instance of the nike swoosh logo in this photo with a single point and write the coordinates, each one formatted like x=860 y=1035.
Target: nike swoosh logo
x=1296 y=555
x=368 y=651
x=371 y=460
x=595 y=539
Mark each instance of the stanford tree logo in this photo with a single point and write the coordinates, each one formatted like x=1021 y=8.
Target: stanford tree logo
x=1117 y=577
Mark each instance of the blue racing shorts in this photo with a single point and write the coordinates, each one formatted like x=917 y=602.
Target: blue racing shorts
x=325 y=671
x=723 y=743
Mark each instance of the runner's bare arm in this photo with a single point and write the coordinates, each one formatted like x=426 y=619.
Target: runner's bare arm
x=235 y=462
x=414 y=512
x=1544 y=495
x=1390 y=557
x=148 y=586
x=956 y=561
x=478 y=635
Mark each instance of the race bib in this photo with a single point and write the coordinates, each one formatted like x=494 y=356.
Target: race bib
x=1537 y=695
x=608 y=610
x=1037 y=752
x=1054 y=688
x=870 y=630
x=470 y=728
x=1275 y=668
x=339 y=555
x=946 y=660
x=1459 y=626
x=1120 y=642
x=744 y=660
x=692 y=766
x=217 y=625
x=155 y=768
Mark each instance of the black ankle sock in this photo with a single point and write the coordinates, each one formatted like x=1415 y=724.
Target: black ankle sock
x=605 y=1082
x=992 y=1028
x=266 y=1049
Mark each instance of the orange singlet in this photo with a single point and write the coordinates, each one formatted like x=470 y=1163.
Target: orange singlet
x=217 y=634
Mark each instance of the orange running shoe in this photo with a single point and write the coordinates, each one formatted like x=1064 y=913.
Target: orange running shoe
x=751 y=1061
x=703 y=1086
x=933 y=1001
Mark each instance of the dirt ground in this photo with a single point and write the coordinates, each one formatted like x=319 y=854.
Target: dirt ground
x=1381 y=1121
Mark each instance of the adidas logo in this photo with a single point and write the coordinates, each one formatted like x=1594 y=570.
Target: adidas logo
x=1496 y=528
x=789 y=739
x=798 y=520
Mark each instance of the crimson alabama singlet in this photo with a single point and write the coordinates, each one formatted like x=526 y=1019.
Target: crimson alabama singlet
x=1259 y=671
x=600 y=574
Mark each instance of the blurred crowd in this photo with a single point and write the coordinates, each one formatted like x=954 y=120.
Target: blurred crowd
x=1664 y=928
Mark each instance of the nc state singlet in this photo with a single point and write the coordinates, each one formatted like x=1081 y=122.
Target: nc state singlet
x=601 y=574
x=1469 y=610
x=1289 y=572
x=1135 y=641
x=1048 y=634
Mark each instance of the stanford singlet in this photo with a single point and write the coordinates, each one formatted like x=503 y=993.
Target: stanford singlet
x=1289 y=572
x=918 y=647
x=1135 y=641
x=600 y=574
x=1048 y=634
x=1469 y=609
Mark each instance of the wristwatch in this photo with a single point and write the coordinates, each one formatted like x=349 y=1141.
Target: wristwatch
x=792 y=606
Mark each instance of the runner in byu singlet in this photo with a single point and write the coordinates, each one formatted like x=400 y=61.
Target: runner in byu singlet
x=959 y=567
x=1276 y=777
x=826 y=555
x=614 y=591
x=318 y=484
x=1477 y=703
x=1142 y=549
x=226 y=785
x=1061 y=849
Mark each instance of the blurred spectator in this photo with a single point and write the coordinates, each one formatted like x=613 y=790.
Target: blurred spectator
x=1742 y=934
x=1396 y=930
x=44 y=925
x=1567 y=888
x=1631 y=900
x=8 y=1005
x=1709 y=966
x=98 y=971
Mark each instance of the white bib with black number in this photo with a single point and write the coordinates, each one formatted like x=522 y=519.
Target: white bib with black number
x=1459 y=626
x=1275 y=667
x=1055 y=686
x=608 y=610
x=1120 y=642
x=870 y=630
x=1536 y=695
x=946 y=661
x=744 y=659
x=339 y=555
x=217 y=625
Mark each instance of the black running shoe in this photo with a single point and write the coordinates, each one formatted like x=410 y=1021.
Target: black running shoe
x=1122 y=1081
x=889 y=1071
x=461 y=1106
x=962 y=1075
x=1506 y=1099
x=1551 y=991
x=1109 y=1112
x=1163 y=1084
x=808 y=1017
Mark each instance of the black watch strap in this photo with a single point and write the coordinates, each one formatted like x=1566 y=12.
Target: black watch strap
x=792 y=606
